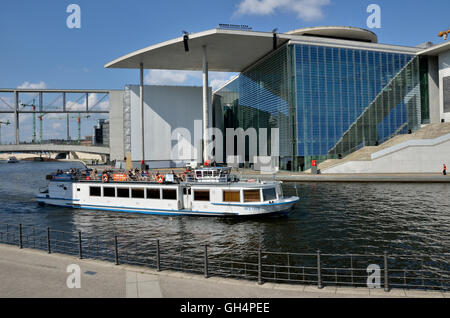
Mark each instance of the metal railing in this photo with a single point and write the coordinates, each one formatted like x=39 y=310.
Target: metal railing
x=320 y=269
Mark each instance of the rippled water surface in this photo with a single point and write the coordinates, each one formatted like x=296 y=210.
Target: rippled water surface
x=333 y=217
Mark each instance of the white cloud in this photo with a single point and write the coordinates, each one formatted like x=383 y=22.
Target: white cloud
x=92 y=100
x=169 y=77
x=40 y=85
x=307 y=10
x=217 y=79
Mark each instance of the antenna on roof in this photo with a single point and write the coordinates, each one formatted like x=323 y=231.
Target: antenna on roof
x=275 y=44
x=185 y=40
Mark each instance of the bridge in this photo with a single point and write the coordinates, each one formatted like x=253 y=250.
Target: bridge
x=55 y=148
x=56 y=104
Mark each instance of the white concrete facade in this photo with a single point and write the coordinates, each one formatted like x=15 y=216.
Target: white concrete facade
x=116 y=143
x=166 y=109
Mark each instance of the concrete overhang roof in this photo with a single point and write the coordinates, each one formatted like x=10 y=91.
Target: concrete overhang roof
x=338 y=32
x=227 y=51
x=436 y=50
x=236 y=50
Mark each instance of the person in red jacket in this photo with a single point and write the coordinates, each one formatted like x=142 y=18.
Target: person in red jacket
x=444 y=171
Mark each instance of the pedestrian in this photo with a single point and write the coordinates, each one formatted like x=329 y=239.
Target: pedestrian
x=444 y=171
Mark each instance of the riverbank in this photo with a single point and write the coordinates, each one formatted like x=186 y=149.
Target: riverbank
x=30 y=273
x=351 y=177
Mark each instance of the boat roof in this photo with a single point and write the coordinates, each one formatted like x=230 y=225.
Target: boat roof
x=238 y=184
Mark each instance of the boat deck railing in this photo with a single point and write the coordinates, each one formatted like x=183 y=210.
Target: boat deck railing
x=385 y=270
x=149 y=178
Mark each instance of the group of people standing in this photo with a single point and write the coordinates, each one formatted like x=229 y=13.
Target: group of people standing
x=137 y=175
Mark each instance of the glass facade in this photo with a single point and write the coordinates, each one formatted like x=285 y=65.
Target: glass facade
x=261 y=97
x=327 y=101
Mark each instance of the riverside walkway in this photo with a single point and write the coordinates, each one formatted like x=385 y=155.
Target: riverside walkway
x=346 y=177
x=27 y=273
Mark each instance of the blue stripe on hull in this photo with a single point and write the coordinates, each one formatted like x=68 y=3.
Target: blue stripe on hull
x=160 y=211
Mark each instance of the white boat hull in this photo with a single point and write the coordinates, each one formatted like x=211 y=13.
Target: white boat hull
x=76 y=195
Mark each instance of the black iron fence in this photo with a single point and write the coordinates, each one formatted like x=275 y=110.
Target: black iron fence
x=321 y=269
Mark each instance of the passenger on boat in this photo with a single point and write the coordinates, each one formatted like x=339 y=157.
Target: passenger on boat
x=144 y=175
x=94 y=174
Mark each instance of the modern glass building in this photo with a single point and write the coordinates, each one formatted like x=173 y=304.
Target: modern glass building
x=328 y=97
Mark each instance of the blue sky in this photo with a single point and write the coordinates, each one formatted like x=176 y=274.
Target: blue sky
x=36 y=45
x=38 y=50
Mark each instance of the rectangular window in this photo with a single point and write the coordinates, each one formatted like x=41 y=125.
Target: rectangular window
x=231 y=196
x=95 y=191
x=153 y=194
x=446 y=91
x=169 y=194
x=109 y=191
x=252 y=196
x=187 y=191
x=269 y=194
x=123 y=192
x=137 y=193
x=201 y=195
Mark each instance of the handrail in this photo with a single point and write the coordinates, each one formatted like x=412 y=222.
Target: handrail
x=417 y=271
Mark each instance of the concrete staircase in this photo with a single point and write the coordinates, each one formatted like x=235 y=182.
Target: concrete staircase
x=429 y=131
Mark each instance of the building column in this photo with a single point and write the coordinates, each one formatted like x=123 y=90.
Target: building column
x=141 y=95
x=205 y=105
x=67 y=117
x=16 y=117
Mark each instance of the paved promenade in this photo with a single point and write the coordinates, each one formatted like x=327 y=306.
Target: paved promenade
x=347 y=177
x=31 y=273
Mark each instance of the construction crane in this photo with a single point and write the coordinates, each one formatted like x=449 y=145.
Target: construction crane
x=40 y=126
x=33 y=107
x=444 y=34
x=3 y=123
x=78 y=121
x=41 y=115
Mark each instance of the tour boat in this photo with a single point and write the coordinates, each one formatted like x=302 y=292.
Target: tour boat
x=207 y=191
x=13 y=160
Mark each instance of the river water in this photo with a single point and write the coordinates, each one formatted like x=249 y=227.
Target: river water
x=333 y=217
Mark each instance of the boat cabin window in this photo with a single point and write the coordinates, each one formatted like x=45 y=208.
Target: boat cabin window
x=95 y=191
x=169 y=194
x=201 y=195
x=207 y=173
x=231 y=196
x=199 y=174
x=109 y=191
x=269 y=194
x=123 y=192
x=137 y=193
x=153 y=194
x=252 y=196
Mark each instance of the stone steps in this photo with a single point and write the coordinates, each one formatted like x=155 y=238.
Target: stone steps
x=429 y=131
